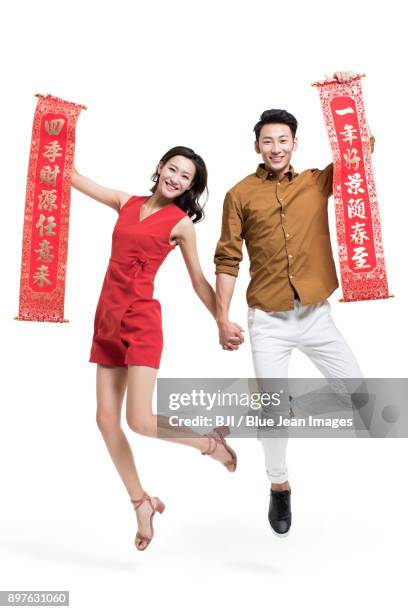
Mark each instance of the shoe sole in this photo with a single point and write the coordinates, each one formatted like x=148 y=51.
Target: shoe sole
x=281 y=535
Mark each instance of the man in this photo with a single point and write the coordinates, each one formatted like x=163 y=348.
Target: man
x=282 y=217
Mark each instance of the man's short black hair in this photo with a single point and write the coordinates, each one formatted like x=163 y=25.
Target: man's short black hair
x=276 y=115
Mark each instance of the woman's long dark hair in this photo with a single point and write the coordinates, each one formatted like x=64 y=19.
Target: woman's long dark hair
x=189 y=200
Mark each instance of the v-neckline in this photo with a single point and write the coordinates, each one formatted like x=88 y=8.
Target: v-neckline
x=139 y=220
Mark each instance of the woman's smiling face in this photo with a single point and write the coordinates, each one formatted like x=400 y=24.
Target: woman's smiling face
x=175 y=176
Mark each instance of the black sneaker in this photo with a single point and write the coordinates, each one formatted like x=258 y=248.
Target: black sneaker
x=280 y=515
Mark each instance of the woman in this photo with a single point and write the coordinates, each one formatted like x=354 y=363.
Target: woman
x=127 y=340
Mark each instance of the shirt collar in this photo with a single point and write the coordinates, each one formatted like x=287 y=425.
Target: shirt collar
x=263 y=173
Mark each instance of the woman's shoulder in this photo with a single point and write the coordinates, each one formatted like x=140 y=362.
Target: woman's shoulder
x=124 y=198
x=177 y=213
x=184 y=226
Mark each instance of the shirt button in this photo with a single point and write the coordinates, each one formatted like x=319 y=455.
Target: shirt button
x=282 y=214
x=287 y=235
x=291 y=276
x=290 y=256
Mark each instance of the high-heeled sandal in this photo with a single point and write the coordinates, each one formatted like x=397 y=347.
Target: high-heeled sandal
x=222 y=430
x=216 y=437
x=160 y=507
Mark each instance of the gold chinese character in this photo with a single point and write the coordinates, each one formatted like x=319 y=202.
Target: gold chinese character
x=44 y=251
x=47 y=199
x=349 y=133
x=351 y=158
x=54 y=126
x=53 y=149
x=48 y=228
x=356 y=208
x=359 y=233
x=40 y=276
x=49 y=176
x=354 y=185
x=360 y=255
x=345 y=111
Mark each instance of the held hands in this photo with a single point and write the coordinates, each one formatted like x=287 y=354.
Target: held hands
x=230 y=335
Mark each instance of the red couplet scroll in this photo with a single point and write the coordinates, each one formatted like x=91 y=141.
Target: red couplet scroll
x=46 y=214
x=361 y=254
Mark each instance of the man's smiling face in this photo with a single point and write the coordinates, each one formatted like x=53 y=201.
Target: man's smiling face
x=276 y=145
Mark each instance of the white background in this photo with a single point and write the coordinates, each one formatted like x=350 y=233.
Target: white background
x=155 y=75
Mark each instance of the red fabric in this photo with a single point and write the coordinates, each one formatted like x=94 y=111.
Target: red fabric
x=46 y=215
x=128 y=323
x=362 y=266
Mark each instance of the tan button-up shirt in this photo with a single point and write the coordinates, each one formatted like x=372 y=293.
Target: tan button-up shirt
x=284 y=224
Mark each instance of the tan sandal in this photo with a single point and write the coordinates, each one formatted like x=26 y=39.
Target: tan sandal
x=159 y=507
x=216 y=437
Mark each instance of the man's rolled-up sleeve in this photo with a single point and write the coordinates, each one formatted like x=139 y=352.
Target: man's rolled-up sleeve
x=228 y=253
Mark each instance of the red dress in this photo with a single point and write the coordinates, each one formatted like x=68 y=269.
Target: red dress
x=128 y=323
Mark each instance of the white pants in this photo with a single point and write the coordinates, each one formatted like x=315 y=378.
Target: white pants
x=273 y=336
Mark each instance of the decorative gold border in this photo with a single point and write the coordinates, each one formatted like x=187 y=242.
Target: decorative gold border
x=35 y=305
x=356 y=285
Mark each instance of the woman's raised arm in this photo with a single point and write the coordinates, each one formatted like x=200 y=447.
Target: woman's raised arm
x=111 y=197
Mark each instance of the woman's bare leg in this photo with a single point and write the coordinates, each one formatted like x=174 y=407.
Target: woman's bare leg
x=140 y=416
x=111 y=385
x=110 y=389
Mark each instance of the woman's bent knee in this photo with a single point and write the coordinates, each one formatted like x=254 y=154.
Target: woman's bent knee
x=144 y=427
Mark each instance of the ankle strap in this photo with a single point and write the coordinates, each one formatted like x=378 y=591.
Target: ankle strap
x=212 y=444
x=139 y=502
